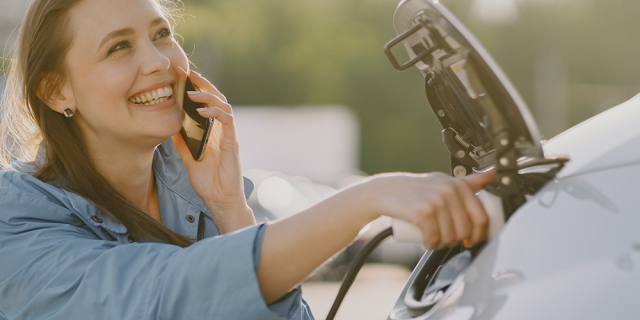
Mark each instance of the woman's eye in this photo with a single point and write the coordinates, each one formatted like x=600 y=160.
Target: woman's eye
x=119 y=46
x=163 y=33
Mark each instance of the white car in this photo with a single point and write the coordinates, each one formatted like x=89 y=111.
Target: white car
x=570 y=248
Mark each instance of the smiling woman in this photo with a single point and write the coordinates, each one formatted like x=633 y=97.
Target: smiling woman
x=89 y=78
x=101 y=202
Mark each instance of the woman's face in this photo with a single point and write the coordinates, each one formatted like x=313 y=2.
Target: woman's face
x=124 y=51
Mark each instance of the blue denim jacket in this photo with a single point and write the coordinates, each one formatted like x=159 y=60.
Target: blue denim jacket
x=61 y=258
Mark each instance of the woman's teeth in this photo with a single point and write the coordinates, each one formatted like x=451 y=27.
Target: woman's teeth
x=153 y=96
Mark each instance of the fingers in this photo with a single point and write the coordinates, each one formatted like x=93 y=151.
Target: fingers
x=210 y=100
x=216 y=113
x=476 y=216
x=227 y=141
x=218 y=109
x=430 y=230
x=457 y=213
x=443 y=216
x=477 y=181
x=457 y=209
x=475 y=209
x=204 y=85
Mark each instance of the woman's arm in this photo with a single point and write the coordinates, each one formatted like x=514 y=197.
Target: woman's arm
x=54 y=266
x=446 y=210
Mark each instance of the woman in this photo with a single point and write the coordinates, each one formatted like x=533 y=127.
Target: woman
x=99 y=216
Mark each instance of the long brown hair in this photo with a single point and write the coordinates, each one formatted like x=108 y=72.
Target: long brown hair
x=29 y=124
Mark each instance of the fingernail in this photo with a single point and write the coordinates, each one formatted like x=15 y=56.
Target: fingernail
x=201 y=109
x=193 y=92
x=195 y=72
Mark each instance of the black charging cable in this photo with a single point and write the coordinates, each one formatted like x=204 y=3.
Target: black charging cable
x=356 y=265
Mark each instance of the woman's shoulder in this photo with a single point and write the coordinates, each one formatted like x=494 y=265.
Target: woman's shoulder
x=28 y=204
x=20 y=189
x=20 y=176
x=26 y=200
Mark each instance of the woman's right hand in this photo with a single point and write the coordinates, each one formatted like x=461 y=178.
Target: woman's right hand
x=446 y=209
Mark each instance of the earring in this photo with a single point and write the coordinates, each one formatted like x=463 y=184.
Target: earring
x=68 y=113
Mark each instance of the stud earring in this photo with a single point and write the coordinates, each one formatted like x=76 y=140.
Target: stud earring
x=68 y=113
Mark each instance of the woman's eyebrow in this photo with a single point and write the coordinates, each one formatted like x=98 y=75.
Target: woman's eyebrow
x=156 y=22
x=126 y=32
x=115 y=34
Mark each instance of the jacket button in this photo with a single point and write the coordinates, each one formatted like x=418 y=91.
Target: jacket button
x=191 y=219
x=131 y=239
x=96 y=219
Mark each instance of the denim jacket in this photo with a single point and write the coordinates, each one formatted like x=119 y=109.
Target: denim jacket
x=61 y=258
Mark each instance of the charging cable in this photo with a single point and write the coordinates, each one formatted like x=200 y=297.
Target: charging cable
x=356 y=265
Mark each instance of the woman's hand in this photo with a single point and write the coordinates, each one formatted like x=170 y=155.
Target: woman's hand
x=217 y=178
x=446 y=209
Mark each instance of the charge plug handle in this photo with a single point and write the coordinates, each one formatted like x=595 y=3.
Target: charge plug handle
x=405 y=232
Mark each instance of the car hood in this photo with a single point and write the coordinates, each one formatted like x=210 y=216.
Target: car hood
x=610 y=139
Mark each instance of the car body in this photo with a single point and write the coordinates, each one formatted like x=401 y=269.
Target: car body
x=571 y=250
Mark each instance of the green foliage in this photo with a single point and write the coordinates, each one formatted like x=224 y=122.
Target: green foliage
x=293 y=52
x=596 y=41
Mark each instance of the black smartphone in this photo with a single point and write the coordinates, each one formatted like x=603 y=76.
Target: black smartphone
x=195 y=128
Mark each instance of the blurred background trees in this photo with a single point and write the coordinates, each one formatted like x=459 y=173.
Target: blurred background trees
x=292 y=52
x=570 y=59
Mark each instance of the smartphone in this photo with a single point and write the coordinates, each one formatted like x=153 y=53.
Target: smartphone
x=195 y=128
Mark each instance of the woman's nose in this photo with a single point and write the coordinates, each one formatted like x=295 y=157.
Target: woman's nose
x=153 y=60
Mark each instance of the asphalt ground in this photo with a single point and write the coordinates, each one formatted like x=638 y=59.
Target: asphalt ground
x=371 y=296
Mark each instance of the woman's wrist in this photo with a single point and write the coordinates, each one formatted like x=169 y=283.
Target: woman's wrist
x=364 y=196
x=231 y=218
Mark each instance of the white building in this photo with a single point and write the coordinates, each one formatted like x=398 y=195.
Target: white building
x=320 y=143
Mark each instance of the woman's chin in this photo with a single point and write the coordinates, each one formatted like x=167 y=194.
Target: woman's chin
x=163 y=129
x=168 y=132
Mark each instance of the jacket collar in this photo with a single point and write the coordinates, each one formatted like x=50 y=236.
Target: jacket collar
x=88 y=211
x=170 y=171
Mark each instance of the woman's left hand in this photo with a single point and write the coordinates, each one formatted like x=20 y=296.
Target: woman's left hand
x=217 y=177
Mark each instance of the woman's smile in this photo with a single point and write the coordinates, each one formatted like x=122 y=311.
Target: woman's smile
x=156 y=97
x=154 y=93
x=157 y=104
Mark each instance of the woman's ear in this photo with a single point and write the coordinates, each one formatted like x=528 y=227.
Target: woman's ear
x=57 y=96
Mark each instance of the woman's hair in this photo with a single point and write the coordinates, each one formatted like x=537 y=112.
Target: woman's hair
x=28 y=124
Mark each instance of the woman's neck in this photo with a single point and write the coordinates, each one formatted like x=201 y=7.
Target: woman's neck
x=128 y=168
